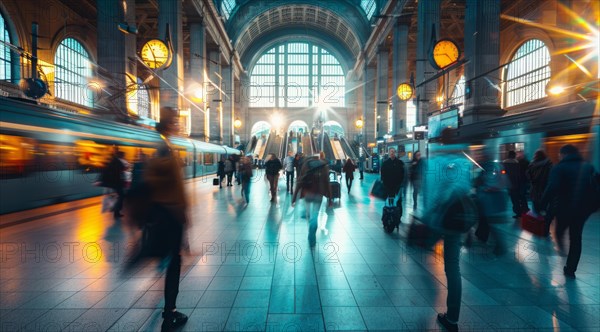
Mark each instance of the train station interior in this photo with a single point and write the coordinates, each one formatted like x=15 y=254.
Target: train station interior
x=83 y=82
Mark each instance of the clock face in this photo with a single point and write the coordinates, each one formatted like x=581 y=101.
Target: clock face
x=404 y=91
x=155 y=53
x=445 y=53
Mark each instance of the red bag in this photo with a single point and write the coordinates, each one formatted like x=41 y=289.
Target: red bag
x=532 y=224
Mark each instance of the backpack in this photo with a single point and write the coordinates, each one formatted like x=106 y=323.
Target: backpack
x=314 y=169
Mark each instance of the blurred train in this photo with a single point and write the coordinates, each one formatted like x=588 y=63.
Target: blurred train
x=548 y=128
x=49 y=156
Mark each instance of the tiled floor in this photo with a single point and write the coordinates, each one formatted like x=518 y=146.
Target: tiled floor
x=250 y=269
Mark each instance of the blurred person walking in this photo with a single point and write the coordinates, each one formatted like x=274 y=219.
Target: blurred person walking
x=392 y=176
x=272 y=168
x=415 y=176
x=245 y=174
x=517 y=178
x=538 y=174
x=312 y=185
x=573 y=183
x=288 y=167
x=164 y=177
x=349 y=169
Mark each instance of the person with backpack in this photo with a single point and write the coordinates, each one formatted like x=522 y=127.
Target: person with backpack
x=449 y=211
x=313 y=185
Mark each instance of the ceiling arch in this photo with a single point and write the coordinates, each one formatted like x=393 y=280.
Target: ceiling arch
x=258 y=48
x=310 y=18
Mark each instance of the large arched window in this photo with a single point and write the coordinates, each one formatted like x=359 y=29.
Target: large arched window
x=73 y=73
x=297 y=75
x=458 y=95
x=227 y=7
x=5 y=63
x=528 y=73
x=369 y=7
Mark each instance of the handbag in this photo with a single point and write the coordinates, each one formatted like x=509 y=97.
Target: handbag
x=378 y=190
x=215 y=181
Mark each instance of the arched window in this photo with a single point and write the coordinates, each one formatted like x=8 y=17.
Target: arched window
x=5 y=63
x=143 y=100
x=227 y=7
x=528 y=73
x=458 y=95
x=73 y=72
x=297 y=75
x=369 y=7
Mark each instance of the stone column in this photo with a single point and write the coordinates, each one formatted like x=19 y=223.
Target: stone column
x=228 y=110
x=369 y=105
x=400 y=75
x=196 y=76
x=170 y=12
x=482 y=49
x=112 y=58
x=428 y=19
x=213 y=95
x=382 y=100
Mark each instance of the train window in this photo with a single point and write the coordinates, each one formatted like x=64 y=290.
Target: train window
x=55 y=157
x=16 y=154
x=91 y=154
x=209 y=158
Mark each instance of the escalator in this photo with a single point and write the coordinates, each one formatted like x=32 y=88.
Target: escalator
x=307 y=146
x=348 y=149
x=273 y=145
x=338 y=151
x=259 y=150
x=327 y=147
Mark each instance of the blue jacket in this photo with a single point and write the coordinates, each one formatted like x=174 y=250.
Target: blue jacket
x=572 y=183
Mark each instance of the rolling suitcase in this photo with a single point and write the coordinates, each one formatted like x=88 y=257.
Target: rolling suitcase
x=391 y=216
x=533 y=224
x=335 y=186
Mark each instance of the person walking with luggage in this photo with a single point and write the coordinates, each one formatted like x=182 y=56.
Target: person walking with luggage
x=573 y=184
x=288 y=167
x=164 y=177
x=312 y=185
x=349 y=169
x=272 y=168
x=538 y=174
x=392 y=175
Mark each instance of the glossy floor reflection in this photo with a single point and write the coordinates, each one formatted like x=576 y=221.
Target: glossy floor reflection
x=250 y=269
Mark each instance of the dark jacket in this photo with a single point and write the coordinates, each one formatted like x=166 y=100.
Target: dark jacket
x=392 y=175
x=538 y=173
x=273 y=166
x=111 y=175
x=313 y=180
x=349 y=169
x=513 y=171
x=571 y=182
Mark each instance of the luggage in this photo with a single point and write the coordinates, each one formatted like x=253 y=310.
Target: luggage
x=215 y=181
x=391 y=216
x=336 y=188
x=378 y=190
x=533 y=224
x=420 y=235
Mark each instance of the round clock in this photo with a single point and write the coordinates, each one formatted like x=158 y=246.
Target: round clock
x=155 y=54
x=404 y=91
x=445 y=52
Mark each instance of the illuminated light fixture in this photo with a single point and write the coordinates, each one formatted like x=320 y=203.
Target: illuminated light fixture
x=439 y=99
x=556 y=90
x=237 y=123
x=359 y=123
x=198 y=94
